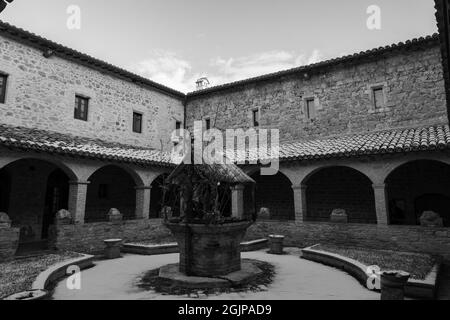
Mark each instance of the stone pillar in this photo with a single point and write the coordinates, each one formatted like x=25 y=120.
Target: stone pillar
x=381 y=203
x=77 y=200
x=300 y=202
x=143 y=194
x=237 y=201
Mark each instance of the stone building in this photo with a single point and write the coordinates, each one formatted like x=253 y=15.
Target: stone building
x=366 y=133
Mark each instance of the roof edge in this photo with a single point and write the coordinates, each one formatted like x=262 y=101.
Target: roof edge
x=323 y=64
x=67 y=53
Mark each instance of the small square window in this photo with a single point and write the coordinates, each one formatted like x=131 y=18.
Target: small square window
x=103 y=191
x=81 y=108
x=3 y=80
x=137 y=122
x=178 y=125
x=208 y=124
x=310 y=106
x=378 y=98
x=255 y=118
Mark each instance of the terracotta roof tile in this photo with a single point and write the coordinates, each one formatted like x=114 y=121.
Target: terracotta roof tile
x=374 y=143
x=348 y=146
x=64 y=144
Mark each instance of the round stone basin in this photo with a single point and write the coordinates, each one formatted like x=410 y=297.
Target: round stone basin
x=215 y=249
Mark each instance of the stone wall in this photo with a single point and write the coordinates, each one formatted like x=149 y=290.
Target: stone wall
x=400 y=238
x=414 y=87
x=88 y=238
x=9 y=242
x=41 y=94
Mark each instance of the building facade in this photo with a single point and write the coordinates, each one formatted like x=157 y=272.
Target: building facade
x=367 y=134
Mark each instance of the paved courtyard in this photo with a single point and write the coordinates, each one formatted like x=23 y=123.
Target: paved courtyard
x=296 y=279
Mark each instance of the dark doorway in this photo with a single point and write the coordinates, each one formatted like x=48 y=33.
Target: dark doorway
x=5 y=190
x=416 y=187
x=434 y=202
x=273 y=193
x=57 y=198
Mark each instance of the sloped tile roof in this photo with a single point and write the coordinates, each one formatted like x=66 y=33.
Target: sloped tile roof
x=64 y=144
x=348 y=146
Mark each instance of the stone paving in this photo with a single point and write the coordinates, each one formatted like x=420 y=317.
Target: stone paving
x=296 y=279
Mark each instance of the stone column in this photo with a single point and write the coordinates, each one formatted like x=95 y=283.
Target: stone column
x=143 y=194
x=381 y=203
x=77 y=200
x=237 y=201
x=300 y=202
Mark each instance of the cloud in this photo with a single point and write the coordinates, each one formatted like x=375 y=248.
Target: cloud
x=229 y=70
x=165 y=68
x=173 y=71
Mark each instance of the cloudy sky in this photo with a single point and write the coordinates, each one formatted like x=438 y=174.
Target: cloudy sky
x=175 y=42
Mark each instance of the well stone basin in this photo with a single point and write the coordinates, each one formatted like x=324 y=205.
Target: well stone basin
x=214 y=251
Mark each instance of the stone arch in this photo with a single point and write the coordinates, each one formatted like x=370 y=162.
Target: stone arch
x=339 y=187
x=274 y=193
x=111 y=186
x=35 y=189
x=417 y=186
x=43 y=158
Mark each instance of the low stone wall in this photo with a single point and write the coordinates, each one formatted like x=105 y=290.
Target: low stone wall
x=403 y=238
x=9 y=241
x=88 y=238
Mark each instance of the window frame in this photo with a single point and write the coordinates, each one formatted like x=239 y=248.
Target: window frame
x=141 y=124
x=178 y=125
x=256 y=118
x=385 y=90
x=308 y=114
x=374 y=98
x=208 y=124
x=78 y=100
x=3 y=88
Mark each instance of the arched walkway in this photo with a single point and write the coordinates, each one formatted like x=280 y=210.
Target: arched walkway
x=340 y=188
x=31 y=192
x=110 y=187
x=274 y=193
x=416 y=187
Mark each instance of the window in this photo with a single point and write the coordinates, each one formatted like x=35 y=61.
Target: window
x=310 y=108
x=103 y=191
x=3 y=79
x=208 y=124
x=81 y=108
x=137 y=122
x=378 y=98
x=178 y=125
x=255 y=118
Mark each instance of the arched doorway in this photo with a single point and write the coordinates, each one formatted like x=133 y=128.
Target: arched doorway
x=416 y=187
x=340 y=188
x=31 y=192
x=110 y=187
x=57 y=198
x=273 y=193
